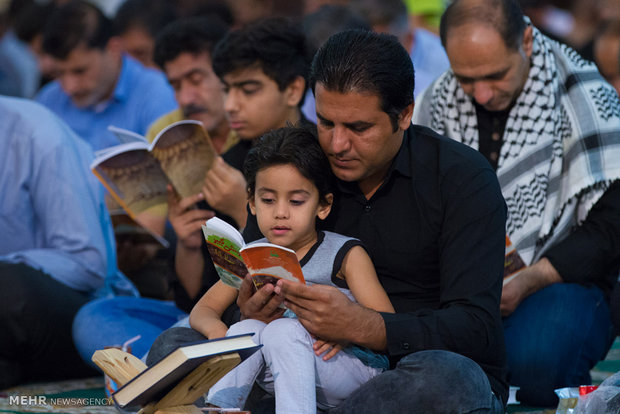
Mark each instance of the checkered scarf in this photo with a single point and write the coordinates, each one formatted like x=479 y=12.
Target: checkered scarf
x=561 y=144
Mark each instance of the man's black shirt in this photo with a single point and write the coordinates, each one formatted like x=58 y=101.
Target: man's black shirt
x=435 y=231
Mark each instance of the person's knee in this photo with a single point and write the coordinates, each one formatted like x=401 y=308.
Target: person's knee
x=169 y=340
x=284 y=331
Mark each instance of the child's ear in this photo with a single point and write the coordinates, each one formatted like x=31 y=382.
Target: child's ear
x=295 y=91
x=252 y=205
x=325 y=207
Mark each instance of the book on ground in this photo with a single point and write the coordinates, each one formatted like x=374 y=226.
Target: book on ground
x=161 y=380
x=136 y=173
x=513 y=263
x=234 y=260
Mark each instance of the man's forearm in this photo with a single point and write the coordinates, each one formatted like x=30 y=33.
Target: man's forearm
x=368 y=329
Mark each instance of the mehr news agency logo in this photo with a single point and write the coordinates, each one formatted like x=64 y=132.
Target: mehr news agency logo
x=44 y=401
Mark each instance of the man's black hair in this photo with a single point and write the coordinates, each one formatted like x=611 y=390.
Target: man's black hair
x=294 y=145
x=366 y=62
x=194 y=35
x=504 y=16
x=73 y=24
x=275 y=45
x=150 y=15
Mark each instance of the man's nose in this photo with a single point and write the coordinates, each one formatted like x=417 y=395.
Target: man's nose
x=70 y=84
x=340 y=141
x=482 y=93
x=185 y=95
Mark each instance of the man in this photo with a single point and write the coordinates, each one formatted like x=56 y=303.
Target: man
x=606 y=50
x=390 y=16
x=137 y=24
x=96 y=86
x=57 y=245
x=264 y=89
x=183 y=50
x=430 y=213
x=550 y=125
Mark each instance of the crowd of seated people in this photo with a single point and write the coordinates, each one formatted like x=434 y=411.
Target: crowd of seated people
x=448 y=129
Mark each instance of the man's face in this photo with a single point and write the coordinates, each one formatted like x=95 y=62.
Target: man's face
x=139 y=44
x=487 y=70
x=357 y=136
x=197 y=89
x=88 y=76
x=607 y=58
x=254 y=104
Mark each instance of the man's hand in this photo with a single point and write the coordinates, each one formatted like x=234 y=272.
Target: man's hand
x=328 y=314
x=531 y=279
x=225 y=190
x=187 y=220
x=262 y=305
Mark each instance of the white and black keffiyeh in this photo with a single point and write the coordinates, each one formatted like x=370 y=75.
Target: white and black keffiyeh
x=561 y=144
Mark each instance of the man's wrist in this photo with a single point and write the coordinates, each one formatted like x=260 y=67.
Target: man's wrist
x=369 y=329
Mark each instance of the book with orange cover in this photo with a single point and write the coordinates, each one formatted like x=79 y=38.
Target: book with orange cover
x=234 y=260
x=513 y=263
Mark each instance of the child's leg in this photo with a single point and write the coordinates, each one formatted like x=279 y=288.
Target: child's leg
x=338 y=377
x=233 y=389
x=287 y=350
x=303 y=380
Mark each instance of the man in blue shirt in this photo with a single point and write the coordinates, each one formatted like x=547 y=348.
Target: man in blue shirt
x=56 y=249
x=96 y=85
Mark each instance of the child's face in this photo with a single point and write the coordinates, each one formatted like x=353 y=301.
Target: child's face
x=254 y=104
x=286 y=205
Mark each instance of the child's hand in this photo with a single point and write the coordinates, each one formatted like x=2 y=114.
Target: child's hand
x=320 y=346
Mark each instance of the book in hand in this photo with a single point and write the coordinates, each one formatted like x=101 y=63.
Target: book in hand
x=136 y=173
x=167 y=379
x=234 y=260
x=513 y=263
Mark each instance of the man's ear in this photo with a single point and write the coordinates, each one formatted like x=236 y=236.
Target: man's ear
x=528 y=41
x=295 y=91
x=404 y=118
x=114 y=47
x=325 y=207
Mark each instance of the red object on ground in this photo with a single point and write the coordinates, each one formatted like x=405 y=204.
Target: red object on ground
x=587 y=389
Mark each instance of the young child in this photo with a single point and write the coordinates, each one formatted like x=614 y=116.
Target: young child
x=289 y=187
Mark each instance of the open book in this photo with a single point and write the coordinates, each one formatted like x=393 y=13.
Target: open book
x=136 y=173
x=179 y=378
x=234 y=260
x=513 y=263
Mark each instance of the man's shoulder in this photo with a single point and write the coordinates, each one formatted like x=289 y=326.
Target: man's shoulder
x=431 y=149
x=163 y=121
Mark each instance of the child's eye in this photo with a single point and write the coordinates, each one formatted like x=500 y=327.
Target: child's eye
x=297 y=202
x=266 y=200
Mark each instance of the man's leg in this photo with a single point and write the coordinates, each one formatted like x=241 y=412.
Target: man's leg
x=36 y=313
x=426 y=382
x=554 y=338
x=113 y=321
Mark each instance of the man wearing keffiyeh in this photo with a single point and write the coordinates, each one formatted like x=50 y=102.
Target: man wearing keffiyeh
x=550 y=126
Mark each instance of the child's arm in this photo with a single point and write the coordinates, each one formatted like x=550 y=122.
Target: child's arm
x=206 y=316
x=361 y=277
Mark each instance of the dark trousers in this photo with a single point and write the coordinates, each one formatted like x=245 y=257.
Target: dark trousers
x=36 y=313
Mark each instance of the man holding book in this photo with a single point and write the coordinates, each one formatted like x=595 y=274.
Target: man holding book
x=264 y=90
x=431 y=215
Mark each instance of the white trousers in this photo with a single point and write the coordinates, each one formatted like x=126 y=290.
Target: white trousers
x=287 y=367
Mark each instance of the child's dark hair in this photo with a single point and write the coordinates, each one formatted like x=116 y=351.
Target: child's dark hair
x=295 y=145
